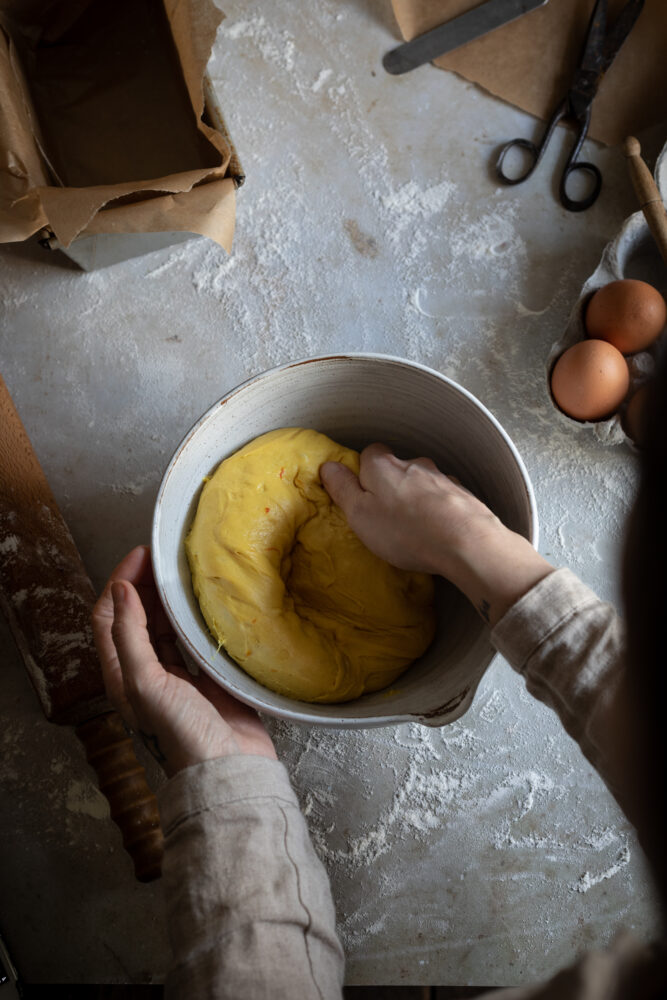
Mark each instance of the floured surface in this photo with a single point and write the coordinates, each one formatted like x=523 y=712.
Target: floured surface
x=487 y=852
x=469 y=853
x=73 y=911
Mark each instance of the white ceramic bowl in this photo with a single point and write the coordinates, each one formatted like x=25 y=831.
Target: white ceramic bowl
x=355 y=399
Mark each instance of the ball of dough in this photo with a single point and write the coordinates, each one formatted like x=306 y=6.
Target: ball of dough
x=285 y=585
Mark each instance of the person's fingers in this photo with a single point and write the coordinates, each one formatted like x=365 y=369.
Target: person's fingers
x=102 y=620
x=424 y=463
x=138 y=661
x=379 y=468
x=376 y=450
x=135 y=567
x=341 y=484
x=375 y=456
x=459 y=485
x=132 y=567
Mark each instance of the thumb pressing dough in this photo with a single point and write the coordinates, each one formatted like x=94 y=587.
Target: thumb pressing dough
x=285 y=585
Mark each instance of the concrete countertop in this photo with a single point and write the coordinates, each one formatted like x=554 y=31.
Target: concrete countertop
x=487 y=852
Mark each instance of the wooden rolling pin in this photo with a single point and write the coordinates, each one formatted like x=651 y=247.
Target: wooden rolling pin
x=650 y=199
x=47 y=598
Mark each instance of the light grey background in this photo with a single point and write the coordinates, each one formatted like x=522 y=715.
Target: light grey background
x=487 y=852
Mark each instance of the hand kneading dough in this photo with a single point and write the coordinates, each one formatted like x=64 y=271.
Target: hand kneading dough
x=285 y=585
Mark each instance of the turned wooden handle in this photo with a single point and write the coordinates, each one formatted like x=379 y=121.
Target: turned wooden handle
x=44 y=588
x=47 y=597
x=122 y=781
x=650 y=199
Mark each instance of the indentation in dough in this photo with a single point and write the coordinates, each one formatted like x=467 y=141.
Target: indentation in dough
x=288 y=589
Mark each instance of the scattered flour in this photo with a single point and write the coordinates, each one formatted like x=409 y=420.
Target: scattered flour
x=431 y=802
x=410 y=201
x=274 y=47
x=587 y=881
x=495 y=813
x=322 y=77
x=9 y=545
x=83 y=797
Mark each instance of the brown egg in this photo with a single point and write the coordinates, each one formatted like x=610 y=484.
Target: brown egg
x=590 y=380
x=635 y=419
x=629 y=314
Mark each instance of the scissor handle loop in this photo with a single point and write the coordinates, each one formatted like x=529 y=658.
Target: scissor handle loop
x=535 y=152
x=532 y=147
x=573 y=165
x=574 y=204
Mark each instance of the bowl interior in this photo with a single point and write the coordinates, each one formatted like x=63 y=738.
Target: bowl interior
x=356 y=400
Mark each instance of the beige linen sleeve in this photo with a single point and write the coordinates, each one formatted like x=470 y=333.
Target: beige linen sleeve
x=569 y=646
x=249 y=906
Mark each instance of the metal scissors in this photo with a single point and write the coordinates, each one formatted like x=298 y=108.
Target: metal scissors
x=599 y=52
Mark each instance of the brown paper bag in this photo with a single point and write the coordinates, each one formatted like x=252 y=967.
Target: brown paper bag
x=530 y=62
x=101 y=120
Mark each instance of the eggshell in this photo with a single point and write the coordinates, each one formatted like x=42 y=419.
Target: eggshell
x=628 y=313
x=590 y=380
x=632 y=252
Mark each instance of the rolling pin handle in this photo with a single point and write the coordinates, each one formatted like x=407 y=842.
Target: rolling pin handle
x=122 y=780
x=648 y=194
x=631 y=146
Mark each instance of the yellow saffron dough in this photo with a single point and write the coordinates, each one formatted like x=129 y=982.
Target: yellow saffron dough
x=288 y=589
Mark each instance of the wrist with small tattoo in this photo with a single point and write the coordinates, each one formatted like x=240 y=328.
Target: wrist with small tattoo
x=494 y=574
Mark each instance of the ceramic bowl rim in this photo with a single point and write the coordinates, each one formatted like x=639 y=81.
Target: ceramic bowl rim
x=183 y=640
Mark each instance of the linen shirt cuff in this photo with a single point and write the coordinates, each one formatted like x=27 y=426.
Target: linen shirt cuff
x=538 y=614
x=219 y=782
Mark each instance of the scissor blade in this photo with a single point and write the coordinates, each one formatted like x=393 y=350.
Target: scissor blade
x=622 y=27
x=591 y=58
x=602 y=43
x=452 y=34
x=601 y=47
